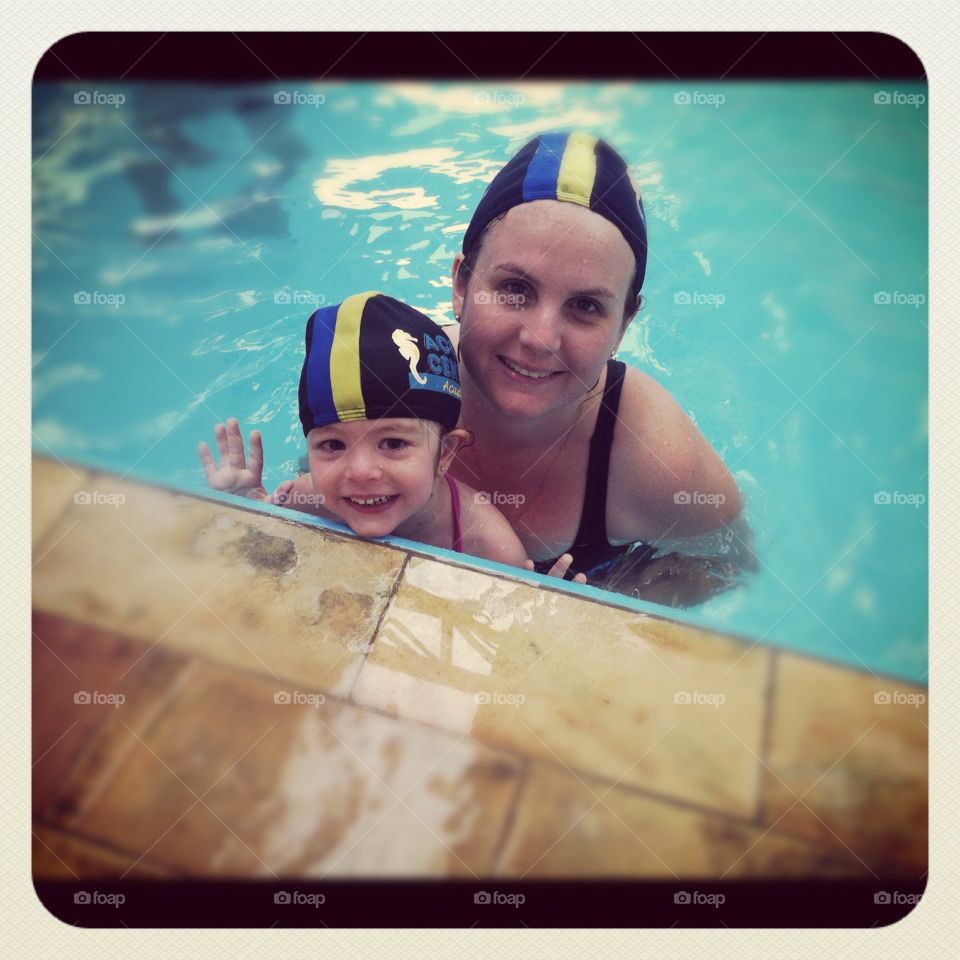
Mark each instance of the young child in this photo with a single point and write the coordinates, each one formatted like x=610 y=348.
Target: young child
x=379 y=404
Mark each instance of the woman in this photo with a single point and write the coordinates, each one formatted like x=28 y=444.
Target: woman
x=581 y=453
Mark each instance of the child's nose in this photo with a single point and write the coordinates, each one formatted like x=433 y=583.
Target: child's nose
x=362 y=465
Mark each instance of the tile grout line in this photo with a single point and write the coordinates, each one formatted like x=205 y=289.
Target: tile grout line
x=106 y=846
x=58 y=520
x=766 y=734
x=348 y=697
x=510 y=820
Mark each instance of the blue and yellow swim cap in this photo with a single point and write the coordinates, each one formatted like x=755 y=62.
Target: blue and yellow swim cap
x=574 y=167
x=372 y=357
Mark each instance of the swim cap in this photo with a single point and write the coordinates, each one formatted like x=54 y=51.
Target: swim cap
x=372 y=357
x=574 y=167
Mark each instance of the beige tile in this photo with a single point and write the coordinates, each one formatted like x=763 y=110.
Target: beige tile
x=236 y=586
x=846 y=769
x=572 y=681
x=81 y=676
x=53 y=485
x=565 y=827
x=230 y=783
x=61 y=856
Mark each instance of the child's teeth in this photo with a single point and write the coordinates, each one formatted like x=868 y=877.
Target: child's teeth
x=370 y=501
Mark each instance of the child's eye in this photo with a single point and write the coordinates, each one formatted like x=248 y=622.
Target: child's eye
x=395 y=443
x=330 y=446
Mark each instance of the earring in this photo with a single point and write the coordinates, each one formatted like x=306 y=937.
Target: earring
x=456 y=317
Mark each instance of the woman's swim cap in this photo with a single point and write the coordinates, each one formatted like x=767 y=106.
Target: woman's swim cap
x=574 y=167
x=372 y=357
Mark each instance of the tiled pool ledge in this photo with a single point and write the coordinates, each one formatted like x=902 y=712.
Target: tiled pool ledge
x=268 y=697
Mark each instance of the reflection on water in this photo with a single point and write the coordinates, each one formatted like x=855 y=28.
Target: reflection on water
x=184 y=236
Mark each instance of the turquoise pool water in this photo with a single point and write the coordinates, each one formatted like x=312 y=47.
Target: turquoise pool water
x=184 y=234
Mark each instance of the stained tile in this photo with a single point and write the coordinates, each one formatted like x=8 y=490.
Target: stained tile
x=81 y=675
x=53 y=485
x=568 y=827
x=62 y=856
x=230 y=782
x=848 y=763
x=233 y=585
x=616 y=694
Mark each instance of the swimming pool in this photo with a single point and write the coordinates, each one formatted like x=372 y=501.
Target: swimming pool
x=185 y=233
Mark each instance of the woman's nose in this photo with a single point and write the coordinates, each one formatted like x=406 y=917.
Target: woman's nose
x=540 y=328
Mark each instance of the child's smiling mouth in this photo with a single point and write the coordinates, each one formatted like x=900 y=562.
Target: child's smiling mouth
x=370 y=504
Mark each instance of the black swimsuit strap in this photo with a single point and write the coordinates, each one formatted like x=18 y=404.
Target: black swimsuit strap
x=593 y=519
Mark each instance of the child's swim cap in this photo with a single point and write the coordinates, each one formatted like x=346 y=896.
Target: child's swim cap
x=372 y=357
x=574 y=167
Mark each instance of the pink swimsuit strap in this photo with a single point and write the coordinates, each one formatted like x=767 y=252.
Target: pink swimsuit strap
x=455 y=498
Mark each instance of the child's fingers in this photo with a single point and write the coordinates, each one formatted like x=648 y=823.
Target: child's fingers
x=560 y=568
x=206 y=459
x=220 y=432
x=528 y=565
x=255 y=462
x=235 y=444
x=580 y=578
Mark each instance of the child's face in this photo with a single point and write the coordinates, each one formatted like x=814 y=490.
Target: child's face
x=375 y=474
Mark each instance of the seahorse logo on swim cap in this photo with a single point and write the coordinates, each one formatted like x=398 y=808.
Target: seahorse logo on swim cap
x=363 y=363
x=575 y=168
x=409 y=350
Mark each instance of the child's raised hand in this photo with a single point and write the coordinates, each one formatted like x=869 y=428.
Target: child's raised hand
x=560 y=568
x=235 y=473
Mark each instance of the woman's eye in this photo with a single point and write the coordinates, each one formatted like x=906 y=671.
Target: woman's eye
x=585 y=305
x=395 y=443
x=514 y=293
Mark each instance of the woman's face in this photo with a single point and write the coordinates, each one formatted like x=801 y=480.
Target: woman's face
x=543 y=309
